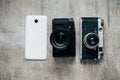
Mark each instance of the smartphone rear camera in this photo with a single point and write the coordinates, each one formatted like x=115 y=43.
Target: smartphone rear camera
x=36 y=20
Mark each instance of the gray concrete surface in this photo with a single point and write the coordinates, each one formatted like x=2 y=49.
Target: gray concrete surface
x=13 y=65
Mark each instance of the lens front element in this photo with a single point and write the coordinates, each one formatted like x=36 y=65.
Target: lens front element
x=60 y=39
x=91 y=40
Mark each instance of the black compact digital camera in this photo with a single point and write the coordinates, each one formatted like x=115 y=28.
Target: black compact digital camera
x=63 y=37
x=91 y=38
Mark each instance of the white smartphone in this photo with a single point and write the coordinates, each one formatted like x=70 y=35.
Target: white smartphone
x=36 y=37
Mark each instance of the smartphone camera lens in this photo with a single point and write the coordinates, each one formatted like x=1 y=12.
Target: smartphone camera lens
x=91 y=40
x=36 y=20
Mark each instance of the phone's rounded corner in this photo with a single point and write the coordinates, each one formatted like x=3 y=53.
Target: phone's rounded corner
x=26 y=58
x=44 y=59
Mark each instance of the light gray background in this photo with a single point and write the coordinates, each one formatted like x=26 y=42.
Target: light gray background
x=13 y=65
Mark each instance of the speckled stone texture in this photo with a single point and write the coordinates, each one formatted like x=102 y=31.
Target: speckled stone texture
x=13 y=65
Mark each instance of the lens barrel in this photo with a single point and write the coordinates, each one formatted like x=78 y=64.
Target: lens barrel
x=91 y=40
x=59 y=39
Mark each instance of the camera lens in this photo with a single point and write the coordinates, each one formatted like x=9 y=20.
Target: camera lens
x=59 y=39
x=91 y=40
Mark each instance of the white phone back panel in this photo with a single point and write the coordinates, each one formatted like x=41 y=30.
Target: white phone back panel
x=36 y=38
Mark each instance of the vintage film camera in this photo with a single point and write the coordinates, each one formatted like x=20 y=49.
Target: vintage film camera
x=91 y=38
